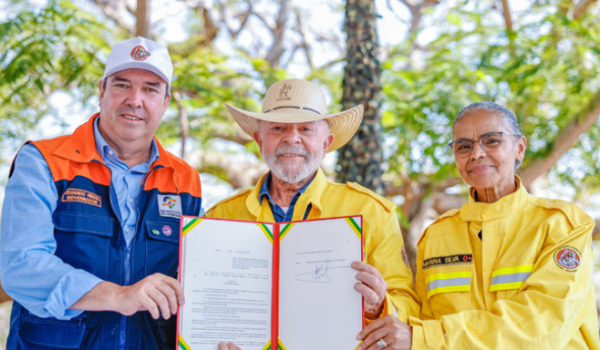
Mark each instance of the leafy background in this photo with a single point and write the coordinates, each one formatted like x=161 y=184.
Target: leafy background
x=539 y=58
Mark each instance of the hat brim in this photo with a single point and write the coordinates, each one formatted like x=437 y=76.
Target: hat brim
x=139 y=65
x=343 y=125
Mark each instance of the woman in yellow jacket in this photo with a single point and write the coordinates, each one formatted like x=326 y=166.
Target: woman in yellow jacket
x=508 y=270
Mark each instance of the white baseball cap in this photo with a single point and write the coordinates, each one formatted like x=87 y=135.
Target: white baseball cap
x=140 y=53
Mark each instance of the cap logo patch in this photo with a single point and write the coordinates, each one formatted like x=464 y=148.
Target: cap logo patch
x=139 y=53
x=567 y=258
x=283 y=93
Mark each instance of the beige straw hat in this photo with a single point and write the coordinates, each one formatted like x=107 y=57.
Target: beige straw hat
x=300 y=101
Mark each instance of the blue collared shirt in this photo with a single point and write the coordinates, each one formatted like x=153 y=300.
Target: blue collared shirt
x=126 y=181
x=31 y=273
x=278 y=213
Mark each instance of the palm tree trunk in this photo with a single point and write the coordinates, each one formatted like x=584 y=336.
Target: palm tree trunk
x=360 y=160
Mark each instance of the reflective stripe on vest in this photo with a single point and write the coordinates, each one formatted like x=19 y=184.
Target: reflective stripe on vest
x=510 y=277
x=448 y=282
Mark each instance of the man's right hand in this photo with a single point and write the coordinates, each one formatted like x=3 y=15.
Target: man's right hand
x=157 y=294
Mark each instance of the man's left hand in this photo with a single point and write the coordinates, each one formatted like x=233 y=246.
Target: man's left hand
x=395 y=334
x=372 y=288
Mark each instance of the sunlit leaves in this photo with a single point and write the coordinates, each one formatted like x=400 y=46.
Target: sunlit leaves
x=43 y=50
x=546 y=71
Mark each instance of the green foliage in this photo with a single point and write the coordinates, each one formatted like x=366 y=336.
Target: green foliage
x=43 y=51
x=546 y=71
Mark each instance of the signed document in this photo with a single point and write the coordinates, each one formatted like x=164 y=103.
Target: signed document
x=268 y=286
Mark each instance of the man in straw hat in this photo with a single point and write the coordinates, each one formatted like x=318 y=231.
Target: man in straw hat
x=294 y=132
x=90 y=220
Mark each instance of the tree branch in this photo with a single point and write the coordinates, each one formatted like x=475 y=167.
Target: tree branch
x=564 y=141
x=211 y=29
x=115 y=11
x=302 y=29
x=392 y=190
x=264 y=20
x=241 y=138
x=581 y=7
x=507 y=15
x=277 y=48
x=389 y=6
x=187 y=93
x=236 y=174
x=183 y=122
x=417 y=12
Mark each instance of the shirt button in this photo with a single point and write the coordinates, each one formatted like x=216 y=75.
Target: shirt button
x=111 y=153
x=131 y=200
x=126 y=230
x=549 y=202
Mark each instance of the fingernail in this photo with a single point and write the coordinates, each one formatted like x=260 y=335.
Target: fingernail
x=358 y=337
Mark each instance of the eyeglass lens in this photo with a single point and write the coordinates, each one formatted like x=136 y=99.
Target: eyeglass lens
x=488 y=142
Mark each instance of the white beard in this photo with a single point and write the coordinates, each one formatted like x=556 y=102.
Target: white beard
x=292 y=172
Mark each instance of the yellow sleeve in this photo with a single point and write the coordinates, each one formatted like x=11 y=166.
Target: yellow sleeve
x=545 y=314
x=385 y=253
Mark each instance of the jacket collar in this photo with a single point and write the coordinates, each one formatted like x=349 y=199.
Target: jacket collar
x=81 y=147
x=312 y=195
x=504 y=207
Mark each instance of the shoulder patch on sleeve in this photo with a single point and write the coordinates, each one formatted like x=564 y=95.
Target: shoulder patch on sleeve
x=226 y=200
x=449 y=213
x=388 y=205
x=572 y=212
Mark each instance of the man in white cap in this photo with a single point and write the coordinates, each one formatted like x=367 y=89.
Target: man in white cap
x=89 y=241
x=294 y=132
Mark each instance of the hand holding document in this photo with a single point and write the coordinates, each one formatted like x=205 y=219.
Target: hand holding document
x=257 y=284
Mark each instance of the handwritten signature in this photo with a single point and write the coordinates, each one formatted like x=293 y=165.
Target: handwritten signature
x=319 y=274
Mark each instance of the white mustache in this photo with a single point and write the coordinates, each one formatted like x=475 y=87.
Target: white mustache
x=290 y=150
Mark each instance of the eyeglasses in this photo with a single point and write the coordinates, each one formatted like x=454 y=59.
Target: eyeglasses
x=488 y=142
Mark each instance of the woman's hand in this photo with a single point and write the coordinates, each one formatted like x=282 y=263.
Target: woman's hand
x=372 y=288
x=228 y=346
x=386 y=333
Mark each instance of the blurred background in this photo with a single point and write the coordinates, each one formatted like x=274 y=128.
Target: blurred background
x=412 y=63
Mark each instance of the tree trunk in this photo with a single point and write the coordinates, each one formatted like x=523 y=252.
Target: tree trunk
x=360 y=160
x=142 y=15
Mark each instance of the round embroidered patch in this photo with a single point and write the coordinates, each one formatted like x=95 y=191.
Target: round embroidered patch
x=139 y=53
x=167 y=230
x=567 y=258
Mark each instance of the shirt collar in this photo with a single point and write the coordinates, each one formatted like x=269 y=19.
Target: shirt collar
x=504 y=207
x=102 y=146
x=264 y=190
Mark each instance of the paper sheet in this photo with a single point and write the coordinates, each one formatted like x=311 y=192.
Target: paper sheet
x=318 y=306
x=227 y=285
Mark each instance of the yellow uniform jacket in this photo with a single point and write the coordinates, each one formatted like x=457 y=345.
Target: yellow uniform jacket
x=383 y=241
x=525 y=284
